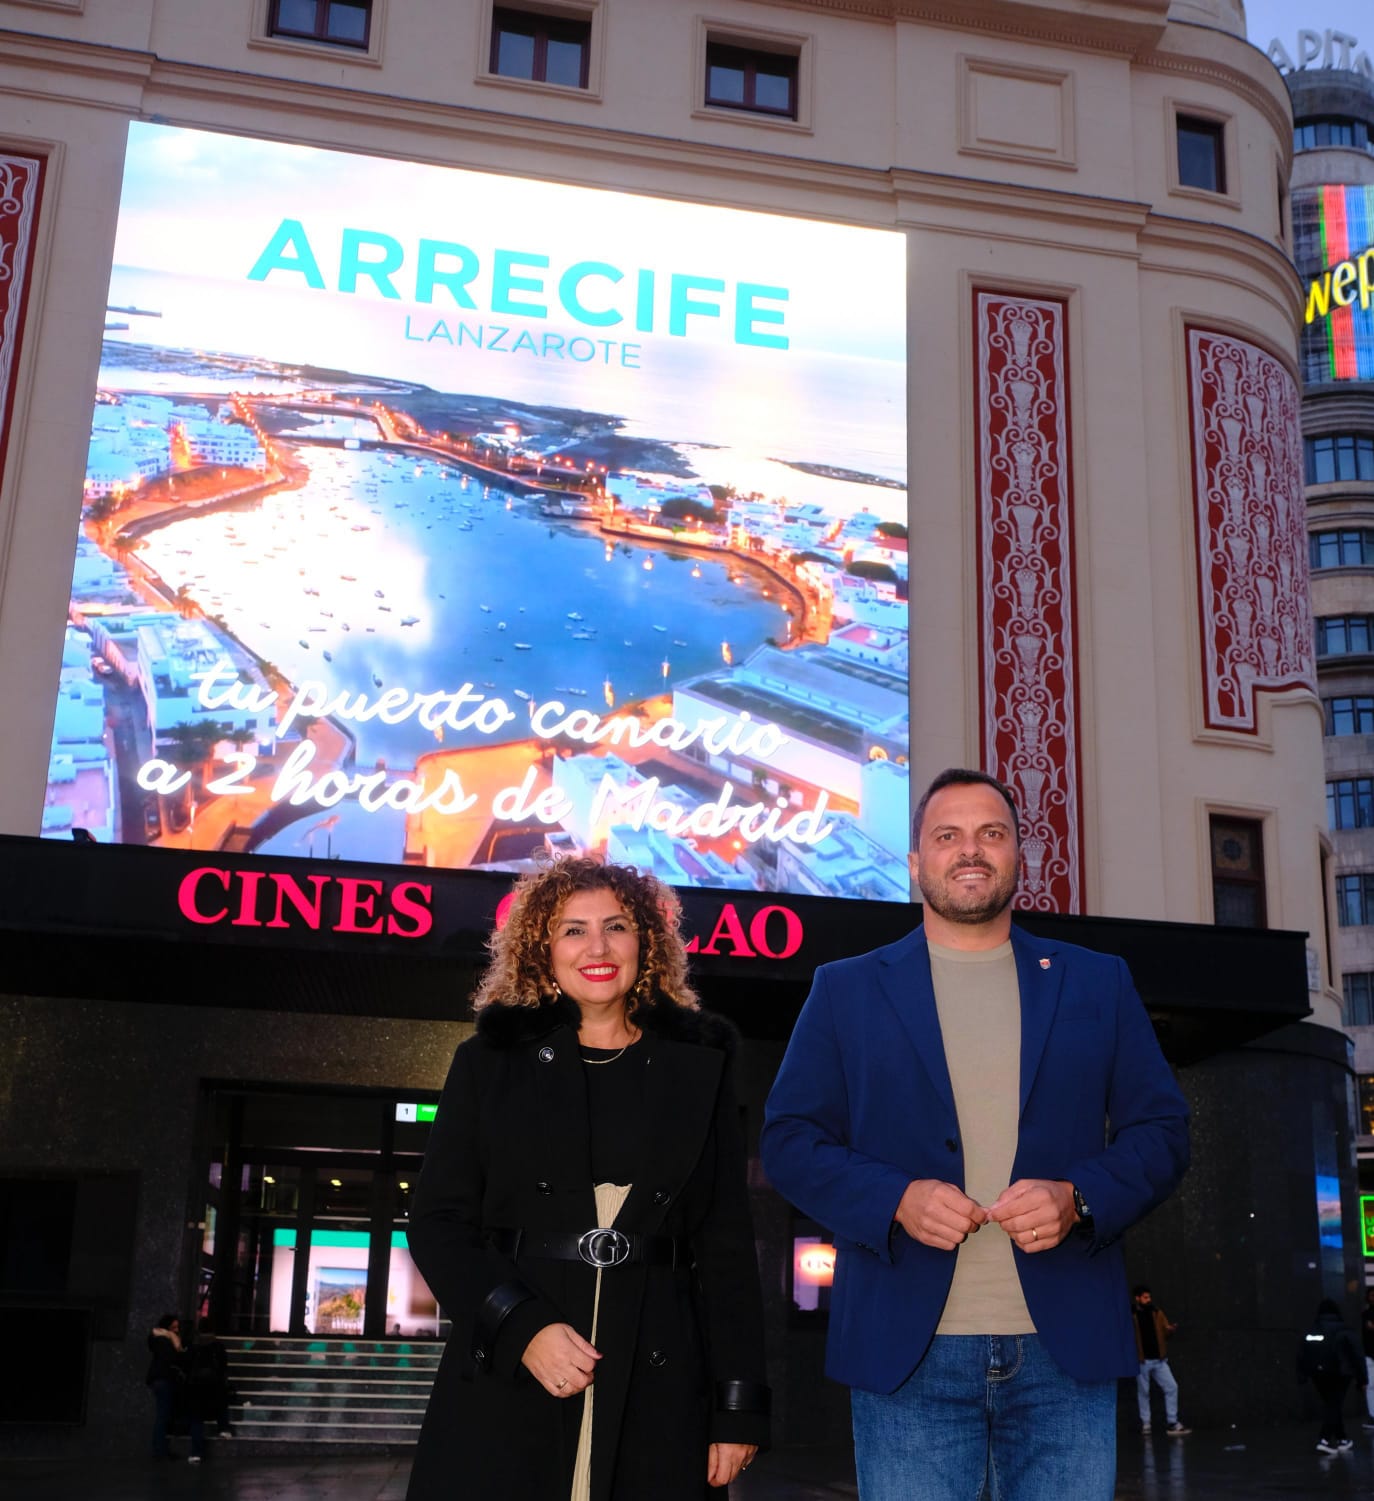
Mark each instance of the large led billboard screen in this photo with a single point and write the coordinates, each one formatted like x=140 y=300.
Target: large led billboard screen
x=1333 y=231
x=441 y=517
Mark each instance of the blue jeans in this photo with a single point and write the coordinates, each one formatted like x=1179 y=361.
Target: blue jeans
x=162 y=1417
x=164 y=1406
x=987 y=1415
x=1159 y=1370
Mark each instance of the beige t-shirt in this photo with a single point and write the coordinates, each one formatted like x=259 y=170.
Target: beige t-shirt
x=979 y=1004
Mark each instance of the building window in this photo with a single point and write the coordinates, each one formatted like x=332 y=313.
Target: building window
x=1355 y=899
x=1367 y=1104
x=1201 y=153
x=1237 y=872
x=1352 y=548
x=1350 y=716
x=1350 y=803
x=541 y=48
x=750 y=78
x=342 y=22
x=1338 y=456
x=1331 y=130
x=1358 y=1010
x=1344 y=635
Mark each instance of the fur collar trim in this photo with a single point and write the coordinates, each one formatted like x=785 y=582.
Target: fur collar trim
x=510 y=1026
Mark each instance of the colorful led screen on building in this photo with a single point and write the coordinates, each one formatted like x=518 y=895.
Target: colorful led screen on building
x=1333 y=232
x=441 y=517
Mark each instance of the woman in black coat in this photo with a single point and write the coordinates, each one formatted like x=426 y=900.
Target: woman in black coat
x=582 y=1217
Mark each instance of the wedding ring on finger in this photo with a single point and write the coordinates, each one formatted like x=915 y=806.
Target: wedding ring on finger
x=559 y=1387
x=1035 y=1234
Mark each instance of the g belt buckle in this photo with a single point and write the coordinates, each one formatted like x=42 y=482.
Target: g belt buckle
x=603 y=1247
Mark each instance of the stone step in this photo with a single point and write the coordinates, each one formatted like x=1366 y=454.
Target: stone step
x=316 y=1393
x=315 y=1371
x=329 y=1433
x=265 y=1385
x=336 y=1347
x=307 y=1413
x=326 y=1396
x=341 y=1363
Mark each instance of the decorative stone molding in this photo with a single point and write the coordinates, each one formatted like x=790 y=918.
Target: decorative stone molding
x=21 y=181
x=1028 y=669
x=1253 y=598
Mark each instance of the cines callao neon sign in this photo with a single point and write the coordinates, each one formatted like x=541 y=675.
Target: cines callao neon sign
x=210 y=895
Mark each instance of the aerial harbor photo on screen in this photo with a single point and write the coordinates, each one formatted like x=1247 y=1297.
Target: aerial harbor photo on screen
x=444 y=518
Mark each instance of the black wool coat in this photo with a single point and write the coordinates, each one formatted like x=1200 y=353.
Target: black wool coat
x=682 y=1347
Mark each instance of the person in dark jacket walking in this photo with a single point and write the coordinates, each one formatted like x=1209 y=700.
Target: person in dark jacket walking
x=1329 y=1357
x=166 y=1380
x=582 y=1217
x=207 y=1380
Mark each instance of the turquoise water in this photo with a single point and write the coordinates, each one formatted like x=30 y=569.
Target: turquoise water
x=386 y=572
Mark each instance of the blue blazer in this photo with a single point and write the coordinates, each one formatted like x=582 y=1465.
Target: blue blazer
x=862 y=1105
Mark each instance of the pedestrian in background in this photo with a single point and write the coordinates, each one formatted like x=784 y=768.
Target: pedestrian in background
x=166 y=1379
x=208 y=1390
x=1152 y=1331
x=1330 y=1359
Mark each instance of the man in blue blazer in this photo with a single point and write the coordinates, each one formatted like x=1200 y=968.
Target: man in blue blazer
x=977 y=1115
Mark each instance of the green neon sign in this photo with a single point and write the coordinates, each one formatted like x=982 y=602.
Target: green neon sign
x=1367 y=1223
x=351 y=1240
x=413 y=1112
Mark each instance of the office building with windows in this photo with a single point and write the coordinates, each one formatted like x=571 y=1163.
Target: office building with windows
x=949 y=357
x=1333 y=195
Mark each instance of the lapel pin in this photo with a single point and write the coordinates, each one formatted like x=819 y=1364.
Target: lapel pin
x=1044 y=964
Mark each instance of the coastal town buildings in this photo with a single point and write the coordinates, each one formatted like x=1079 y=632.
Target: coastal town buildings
x=436 y=436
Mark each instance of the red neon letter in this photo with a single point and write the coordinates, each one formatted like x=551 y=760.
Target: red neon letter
x=792 y=928
x=353 y=900
x=415 y=907
x=186 y=894
x=729 y=926
x=287 y=888
x=248 y=900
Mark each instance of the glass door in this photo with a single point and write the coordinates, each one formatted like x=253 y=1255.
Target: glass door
x=336 y=1267
x=303 y=1224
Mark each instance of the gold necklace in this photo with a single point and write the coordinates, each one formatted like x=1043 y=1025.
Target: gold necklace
x=601 y=1062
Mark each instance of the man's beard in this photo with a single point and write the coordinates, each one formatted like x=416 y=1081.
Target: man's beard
x=947 y=899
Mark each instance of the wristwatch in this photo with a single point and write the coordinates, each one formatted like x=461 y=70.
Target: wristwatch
x=1080 y=1208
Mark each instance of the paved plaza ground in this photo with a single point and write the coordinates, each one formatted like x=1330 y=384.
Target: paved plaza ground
x=1235 y=1465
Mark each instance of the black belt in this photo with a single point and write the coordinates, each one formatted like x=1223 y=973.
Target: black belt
x=599 y=1247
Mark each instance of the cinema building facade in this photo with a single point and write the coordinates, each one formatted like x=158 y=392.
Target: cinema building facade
x=378 y=384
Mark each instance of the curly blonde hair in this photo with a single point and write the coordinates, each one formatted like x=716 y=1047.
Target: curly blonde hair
x=521 y=972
